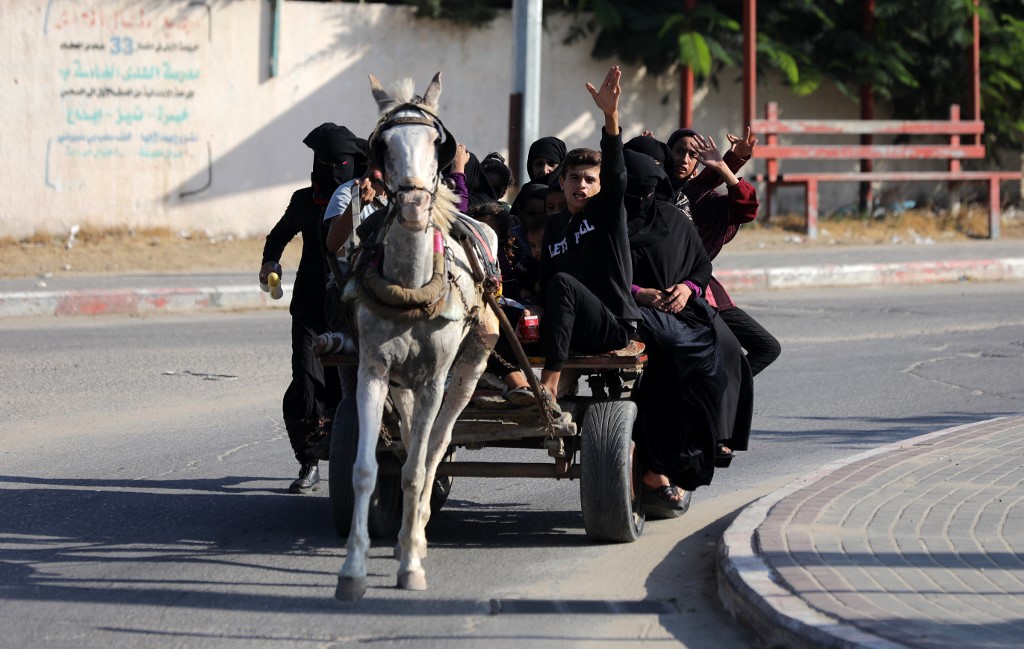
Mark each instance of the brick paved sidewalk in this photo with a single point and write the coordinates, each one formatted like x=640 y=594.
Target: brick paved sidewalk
x=915 y=544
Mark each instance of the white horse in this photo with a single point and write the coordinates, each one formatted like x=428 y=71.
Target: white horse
x=421 y=317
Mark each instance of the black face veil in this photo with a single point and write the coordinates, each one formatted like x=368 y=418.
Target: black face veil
x=338 y=156
x=646 y=184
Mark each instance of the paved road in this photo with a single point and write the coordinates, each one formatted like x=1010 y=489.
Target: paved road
x=143 y=465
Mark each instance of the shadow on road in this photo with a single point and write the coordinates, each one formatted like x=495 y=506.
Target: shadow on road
x=223 y=543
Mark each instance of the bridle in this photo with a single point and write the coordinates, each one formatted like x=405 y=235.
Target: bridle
x=444 y=149
x=384 y=297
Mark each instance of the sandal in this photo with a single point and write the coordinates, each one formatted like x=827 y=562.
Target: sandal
x=490 y=402
x=723 y=458
x=665 y=498
x=520 y=397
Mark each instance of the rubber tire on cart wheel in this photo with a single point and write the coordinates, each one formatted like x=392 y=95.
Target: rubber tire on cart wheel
x=385 y=515
x=609 y=492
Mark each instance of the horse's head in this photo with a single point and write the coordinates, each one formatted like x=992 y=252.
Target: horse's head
x=411 y=146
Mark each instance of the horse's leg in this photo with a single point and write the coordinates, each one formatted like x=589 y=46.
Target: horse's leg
x=403 y=400
x=370 y=395
x=465 y=373
x=411 y=539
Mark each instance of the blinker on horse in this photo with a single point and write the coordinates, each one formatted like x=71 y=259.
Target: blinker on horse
x=421 y=318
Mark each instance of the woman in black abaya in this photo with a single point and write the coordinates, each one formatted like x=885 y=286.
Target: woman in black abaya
x=696 y=391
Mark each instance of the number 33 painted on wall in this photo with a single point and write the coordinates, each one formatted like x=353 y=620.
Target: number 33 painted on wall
x=121 y=45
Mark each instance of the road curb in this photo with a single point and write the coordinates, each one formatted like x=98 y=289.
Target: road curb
x=128 y=301
x=881 y=274
x=136 y=301
x=748 y=586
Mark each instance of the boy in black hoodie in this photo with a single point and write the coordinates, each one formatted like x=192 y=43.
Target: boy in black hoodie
x=586 y=273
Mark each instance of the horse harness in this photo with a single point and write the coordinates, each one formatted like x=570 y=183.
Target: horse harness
x=389 y=300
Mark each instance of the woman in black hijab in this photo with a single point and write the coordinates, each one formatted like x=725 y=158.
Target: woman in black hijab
x=480 y=190
x=683 y=400
x=656 y=149
x=544 y=160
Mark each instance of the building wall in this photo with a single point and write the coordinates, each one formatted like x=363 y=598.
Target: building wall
x=163 y=113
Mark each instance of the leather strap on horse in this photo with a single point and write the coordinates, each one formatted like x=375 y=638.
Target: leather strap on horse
x=463 y=226
x=389 y=300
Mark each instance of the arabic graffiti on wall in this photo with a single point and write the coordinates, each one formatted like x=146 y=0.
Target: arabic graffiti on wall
x=128 y=82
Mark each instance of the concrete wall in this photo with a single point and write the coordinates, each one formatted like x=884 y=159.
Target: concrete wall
x=144 y=113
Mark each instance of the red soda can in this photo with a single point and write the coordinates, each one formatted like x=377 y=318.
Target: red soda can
x=529 y=329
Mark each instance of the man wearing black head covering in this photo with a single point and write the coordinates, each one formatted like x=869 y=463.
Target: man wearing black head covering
x=311 y=398
x=689 y=398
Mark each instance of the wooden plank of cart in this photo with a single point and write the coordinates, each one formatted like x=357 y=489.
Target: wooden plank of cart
x=592 y=443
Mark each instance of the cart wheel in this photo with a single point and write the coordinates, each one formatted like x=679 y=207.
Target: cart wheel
x=385 y=516
x=442 y=485
x=609 y=492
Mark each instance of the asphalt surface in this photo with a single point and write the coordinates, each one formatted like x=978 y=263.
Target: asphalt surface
x=912 y=544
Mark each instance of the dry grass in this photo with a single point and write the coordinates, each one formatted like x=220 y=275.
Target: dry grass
x=905 y=227
x=160 y=250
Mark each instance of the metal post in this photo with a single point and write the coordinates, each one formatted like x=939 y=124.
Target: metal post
x=749 y=61
x=686 y=86
x=275 y=35
x=527 y=16
x=975 y=99
x=867 y=112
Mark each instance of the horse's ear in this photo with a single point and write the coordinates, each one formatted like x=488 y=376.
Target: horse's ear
x=433 y=92
x=379 y=94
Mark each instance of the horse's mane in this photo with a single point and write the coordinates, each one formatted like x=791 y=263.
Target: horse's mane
x=404 y=92
x=444 y=207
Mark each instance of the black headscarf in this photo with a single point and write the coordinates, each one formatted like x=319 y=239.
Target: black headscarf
x=338 y=156
x=480 y=190
x=664 y=244
x=678 y=133
x=647 y=172
x=549 y=148
x=655 y=148
x=495 y=163
x=644 y=223
x=529 y=192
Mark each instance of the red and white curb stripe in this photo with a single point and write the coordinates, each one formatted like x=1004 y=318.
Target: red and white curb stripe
x=137 y=301
x=188 y=300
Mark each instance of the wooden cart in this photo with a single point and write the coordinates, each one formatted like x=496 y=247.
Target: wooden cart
x=592 y=443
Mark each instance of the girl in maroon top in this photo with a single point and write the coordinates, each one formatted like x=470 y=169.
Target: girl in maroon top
x=718 y=218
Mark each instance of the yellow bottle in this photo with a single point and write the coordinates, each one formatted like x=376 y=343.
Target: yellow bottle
x=274 y=283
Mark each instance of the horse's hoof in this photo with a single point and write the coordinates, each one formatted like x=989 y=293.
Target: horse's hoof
x=350 y=588
x=415 y=580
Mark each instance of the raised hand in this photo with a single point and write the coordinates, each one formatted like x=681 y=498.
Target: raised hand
x=709 y=156
x=607 y=96
x=707 y=151
x=743 y=147
x=461 y=158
